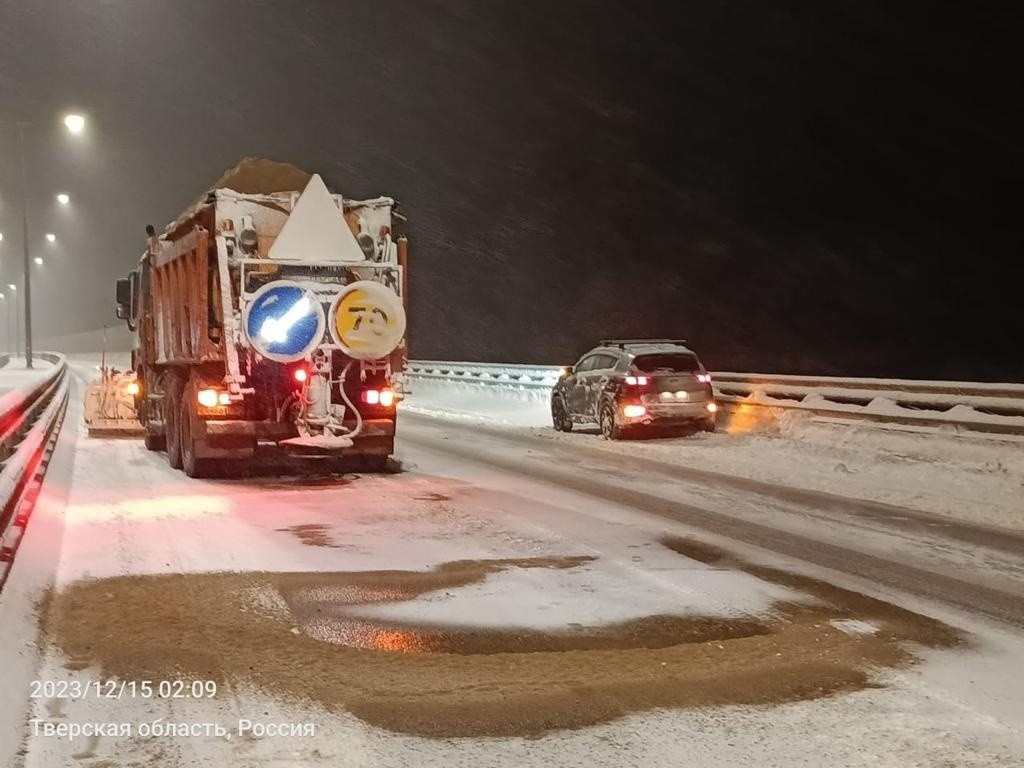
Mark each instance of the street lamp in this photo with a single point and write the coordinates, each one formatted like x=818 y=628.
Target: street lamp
x=75 y=124
x=63 y=199
x=39 y=260
x=51 y=238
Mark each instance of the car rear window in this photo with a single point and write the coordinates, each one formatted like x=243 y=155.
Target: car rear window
x=668 y=362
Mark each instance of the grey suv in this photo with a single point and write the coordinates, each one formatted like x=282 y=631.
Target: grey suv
x=626 y=384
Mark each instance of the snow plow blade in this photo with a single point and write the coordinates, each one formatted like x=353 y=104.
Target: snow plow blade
x=111 y=428
x=110 y=406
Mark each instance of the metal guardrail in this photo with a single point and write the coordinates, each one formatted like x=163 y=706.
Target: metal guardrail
x=525 y=376
x=29 y=418
x=973 y=406
x=977 y=407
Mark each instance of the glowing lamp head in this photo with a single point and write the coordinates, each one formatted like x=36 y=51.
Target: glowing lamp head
x=633 y=411
x=300 y=375
x=208 y=398
x=133 y=388
x=712 y=407
x=63 y=198
x=74 y=123
x=51 y=238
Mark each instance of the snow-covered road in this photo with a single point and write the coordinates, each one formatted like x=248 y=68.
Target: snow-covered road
x=509 y=598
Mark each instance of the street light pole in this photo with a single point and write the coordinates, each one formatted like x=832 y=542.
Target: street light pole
x=75 y=124
x=27 y=283
x=17 y=316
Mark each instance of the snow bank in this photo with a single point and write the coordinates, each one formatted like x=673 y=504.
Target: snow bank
x=971 y=478
x=509 y=404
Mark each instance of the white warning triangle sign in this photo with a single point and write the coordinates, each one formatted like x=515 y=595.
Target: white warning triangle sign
x=316 y=230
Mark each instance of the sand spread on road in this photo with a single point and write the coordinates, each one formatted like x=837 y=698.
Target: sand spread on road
x=252 y=628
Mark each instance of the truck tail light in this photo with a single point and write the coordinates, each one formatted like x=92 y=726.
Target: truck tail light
x=208 y=398
x=641 y=380
x=383 y=397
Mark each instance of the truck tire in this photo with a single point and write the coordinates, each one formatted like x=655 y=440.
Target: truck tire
x=154 y=440
x=172 y=417
x=192 y=465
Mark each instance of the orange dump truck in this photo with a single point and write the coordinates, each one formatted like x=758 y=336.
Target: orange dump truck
x=271 y=312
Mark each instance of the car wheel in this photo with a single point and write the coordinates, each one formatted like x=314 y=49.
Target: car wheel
x=609 y=424
x=559 y=417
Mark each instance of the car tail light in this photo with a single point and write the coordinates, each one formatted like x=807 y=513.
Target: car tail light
x=383 y=397
x=704 y=378
x=641 y=380
x=633 y=411
x=207 y=398
x=300 y=374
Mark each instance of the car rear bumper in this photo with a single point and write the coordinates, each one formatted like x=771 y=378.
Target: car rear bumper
x=669 y=415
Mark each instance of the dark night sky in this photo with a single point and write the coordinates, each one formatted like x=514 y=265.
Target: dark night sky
x=802 y=187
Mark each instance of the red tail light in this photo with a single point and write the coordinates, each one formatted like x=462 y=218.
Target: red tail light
x=704 y=378
x=641 y=380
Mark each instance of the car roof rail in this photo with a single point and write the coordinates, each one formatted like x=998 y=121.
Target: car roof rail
x=623 y=343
